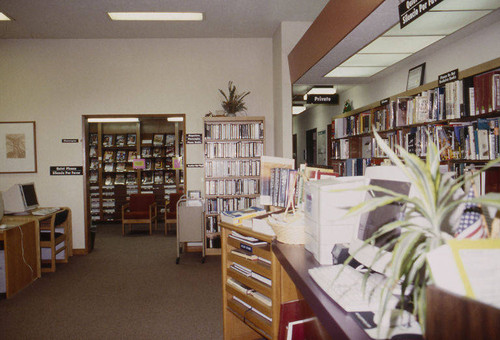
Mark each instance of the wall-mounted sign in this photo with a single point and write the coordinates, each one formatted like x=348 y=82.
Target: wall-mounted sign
x=194 y=165
x=323 y=99
x=66 y=170
x=410 y=10
x=448 y=77
x=70 y=140
x=193 y=138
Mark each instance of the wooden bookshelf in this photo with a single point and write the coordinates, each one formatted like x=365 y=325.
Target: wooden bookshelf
x=111 y=178
x=239 y=321
x=412 y=133
x=232 y=148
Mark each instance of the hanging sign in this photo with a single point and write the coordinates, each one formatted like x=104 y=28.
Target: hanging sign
x=66 y=170
x=323 y=99
x=410 y=10
x=193 y=138
x=448 y=77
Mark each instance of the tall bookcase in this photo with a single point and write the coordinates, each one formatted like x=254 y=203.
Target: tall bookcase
x=110 y=149
x=462 y=117
x=232 y=147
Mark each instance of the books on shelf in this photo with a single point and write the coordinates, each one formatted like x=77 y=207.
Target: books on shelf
x=236 y=217
x=120 y=179
x=247 y=239
x=121 y=156
x=132 y=155
x=108 y=140
x=158 y=139
x=244 y=254
x=121 y=140
x=131 y=139
x=109 y=156
x=266 y=176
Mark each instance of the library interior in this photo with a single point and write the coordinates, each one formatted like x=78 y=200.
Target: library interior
x=335 y=163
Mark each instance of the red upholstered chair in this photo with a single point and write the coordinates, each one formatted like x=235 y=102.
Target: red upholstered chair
x=141 y=209
x=171 y=210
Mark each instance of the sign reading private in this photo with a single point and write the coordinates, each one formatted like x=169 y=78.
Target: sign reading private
x=322 y=99
x=448 y=77
x=193 y=138
x=410 y=10
x=66 y=170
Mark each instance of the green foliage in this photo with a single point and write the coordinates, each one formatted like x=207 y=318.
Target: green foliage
x=233 y=102
x=426 y=213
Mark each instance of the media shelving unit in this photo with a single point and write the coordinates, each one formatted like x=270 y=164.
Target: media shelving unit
x=110 y=176
x=239 y=321
x=355 y=140
x=232 y=148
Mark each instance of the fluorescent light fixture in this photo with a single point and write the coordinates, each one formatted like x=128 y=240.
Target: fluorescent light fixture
x=322 y=90
x=175 y=119
x=296 y=109
x=437 y=23
x=400 y=44
x=466 y=5
x=113 y=120
x=373 y=59
x=354 y=72
x=3 y=17
x=156 y=16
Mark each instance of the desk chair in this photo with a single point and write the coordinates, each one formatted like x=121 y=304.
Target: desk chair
x=171 y=210
x=141 y=209
x=53 y=236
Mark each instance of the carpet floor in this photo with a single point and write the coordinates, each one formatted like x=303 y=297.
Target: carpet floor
x=126 y=288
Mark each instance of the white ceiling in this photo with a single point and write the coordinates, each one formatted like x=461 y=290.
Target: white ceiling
x=87 y=19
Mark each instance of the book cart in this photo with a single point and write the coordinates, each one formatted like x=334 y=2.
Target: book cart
x=241 y=308
x=190 y=224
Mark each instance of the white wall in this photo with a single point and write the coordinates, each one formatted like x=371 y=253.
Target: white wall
x=55 y=82
x=284 y=40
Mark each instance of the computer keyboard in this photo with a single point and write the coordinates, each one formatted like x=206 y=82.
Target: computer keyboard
x=347 y=290
x=44 y=211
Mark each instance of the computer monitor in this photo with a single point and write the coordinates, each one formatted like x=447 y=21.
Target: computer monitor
x=372 y=255
x=20 y=198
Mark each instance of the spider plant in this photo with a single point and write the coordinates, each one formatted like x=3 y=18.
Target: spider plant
x=233 y=102
x=421 y=228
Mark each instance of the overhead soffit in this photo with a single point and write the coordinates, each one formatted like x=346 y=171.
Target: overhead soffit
x=384 y=20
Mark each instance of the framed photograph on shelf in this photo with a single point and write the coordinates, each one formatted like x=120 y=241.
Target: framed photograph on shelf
x=17 y=147
x=415 y=77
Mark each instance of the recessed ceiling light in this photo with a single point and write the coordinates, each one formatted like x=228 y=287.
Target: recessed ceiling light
x=113 y=120
x=464 y=5
x=322 y=90
x=175 y=119
x=296 y=109
x=156 y=16
x=3 y=17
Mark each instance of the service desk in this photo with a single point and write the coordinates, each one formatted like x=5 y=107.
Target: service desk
x=296 y=261
x=21 y=256
x=17 y=219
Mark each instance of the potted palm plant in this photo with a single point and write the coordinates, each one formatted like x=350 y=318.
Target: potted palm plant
x=233 y=102
x=436 y=198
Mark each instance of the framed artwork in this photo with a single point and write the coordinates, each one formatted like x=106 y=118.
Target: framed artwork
x=17 y=147
x=415 y=77
x=194 y=194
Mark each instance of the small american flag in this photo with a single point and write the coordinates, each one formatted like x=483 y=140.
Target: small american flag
x=471 y=225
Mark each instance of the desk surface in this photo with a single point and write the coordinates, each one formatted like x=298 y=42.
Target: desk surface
x=296 y=261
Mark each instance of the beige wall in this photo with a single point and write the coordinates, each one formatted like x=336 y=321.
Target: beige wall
x=55 y=82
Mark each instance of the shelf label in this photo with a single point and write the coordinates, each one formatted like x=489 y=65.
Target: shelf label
x=448 y=77
x=193 y=138
x=385 y=101
x=410 y=10
x=246 y=247
x=66 y=170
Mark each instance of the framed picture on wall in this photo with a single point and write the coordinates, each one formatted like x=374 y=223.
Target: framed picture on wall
x=17 y=147
x=415 y=77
